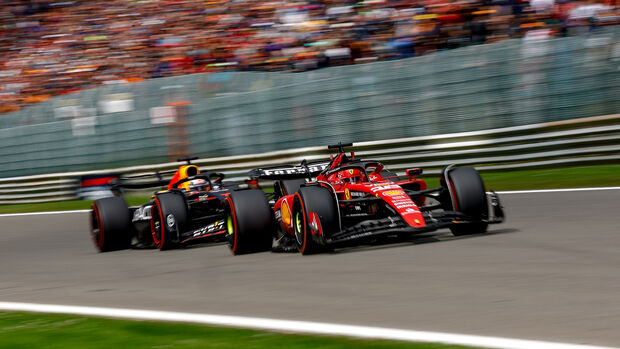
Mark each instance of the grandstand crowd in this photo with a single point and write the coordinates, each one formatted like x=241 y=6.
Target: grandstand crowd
x=57 y=47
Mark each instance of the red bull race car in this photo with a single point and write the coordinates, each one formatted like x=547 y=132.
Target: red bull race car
x=193 y=207
x=350 y=201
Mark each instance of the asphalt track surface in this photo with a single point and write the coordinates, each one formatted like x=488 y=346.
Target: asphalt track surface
x=551 y=272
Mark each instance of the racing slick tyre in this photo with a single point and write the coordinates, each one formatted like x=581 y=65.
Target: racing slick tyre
x=168 y=219
x=249 y=222
x=110 y=224
x=291 y=186
x=315 y=216
x=469 y=197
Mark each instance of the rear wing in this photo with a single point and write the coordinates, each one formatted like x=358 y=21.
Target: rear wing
x=155 y=180
x=304 y=170
x=146 y=181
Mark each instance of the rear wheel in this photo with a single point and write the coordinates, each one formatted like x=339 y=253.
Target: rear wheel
x=168 y=219
x=468 y=196
x=285 y=187
x=110 y=224
x=315 y=216
x=291 y=186
x=249 y=222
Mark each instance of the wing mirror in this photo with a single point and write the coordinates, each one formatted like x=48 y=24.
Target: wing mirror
x=412 y=172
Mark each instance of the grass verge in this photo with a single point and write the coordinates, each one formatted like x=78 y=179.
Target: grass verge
x=553 y=178
x=571 y=177
x=64 y=205
x=26 y=330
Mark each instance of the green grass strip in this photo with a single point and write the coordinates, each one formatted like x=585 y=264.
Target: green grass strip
x=571 y=177
x=64 y=205
x=26 y=330
x=552 y=178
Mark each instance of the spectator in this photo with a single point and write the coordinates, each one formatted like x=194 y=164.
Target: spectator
x=56 y=47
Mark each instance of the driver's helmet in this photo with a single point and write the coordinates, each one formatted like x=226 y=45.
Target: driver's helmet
x=198 y=184
x=351 y=176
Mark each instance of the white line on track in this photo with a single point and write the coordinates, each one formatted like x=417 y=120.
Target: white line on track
x=499 y=192
x=40 y=213
x=555 y=190
x=297 y=326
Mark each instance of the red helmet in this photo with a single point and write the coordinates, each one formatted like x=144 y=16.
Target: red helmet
x=351 y=176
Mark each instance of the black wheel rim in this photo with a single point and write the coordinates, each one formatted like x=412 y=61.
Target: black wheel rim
x=156 y=225
x=94 y=230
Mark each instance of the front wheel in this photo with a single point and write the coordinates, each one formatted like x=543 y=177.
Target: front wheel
x=110 y=224
x=249 y=222
x=315 y=216
x=468 y=196
x=168 y=219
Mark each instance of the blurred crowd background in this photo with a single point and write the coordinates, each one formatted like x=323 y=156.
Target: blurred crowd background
x=57 y=47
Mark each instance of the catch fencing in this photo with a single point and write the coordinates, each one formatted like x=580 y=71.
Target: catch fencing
x=586 y=141
x=224 y=115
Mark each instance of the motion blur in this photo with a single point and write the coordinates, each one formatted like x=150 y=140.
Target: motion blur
x=55 y=47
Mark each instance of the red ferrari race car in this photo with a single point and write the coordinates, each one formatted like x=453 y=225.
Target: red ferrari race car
x=349 y=201
x=193 y=207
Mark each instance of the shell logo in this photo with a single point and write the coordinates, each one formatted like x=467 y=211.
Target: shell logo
x=393 y=192
x=286 y=213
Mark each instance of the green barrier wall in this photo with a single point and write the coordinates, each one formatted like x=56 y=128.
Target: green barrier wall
x=510 y=83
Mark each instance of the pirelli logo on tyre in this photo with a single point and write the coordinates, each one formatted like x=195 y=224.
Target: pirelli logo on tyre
x=170 y=220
